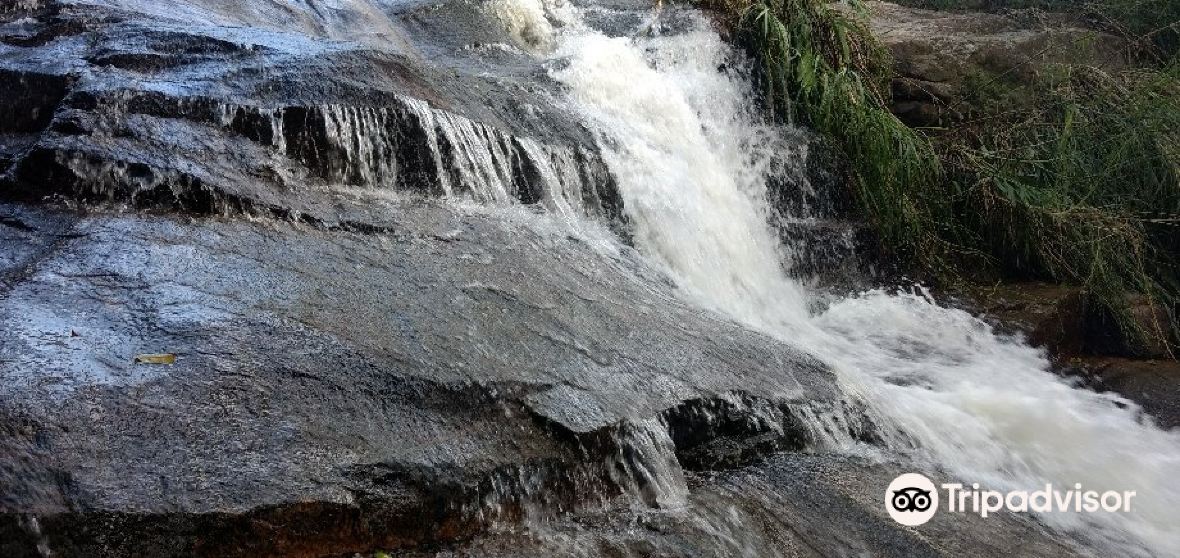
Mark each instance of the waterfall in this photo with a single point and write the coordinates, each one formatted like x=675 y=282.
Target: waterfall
x=689 y=167
x=690 y=159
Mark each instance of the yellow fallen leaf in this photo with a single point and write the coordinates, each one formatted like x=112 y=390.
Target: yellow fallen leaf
x=163 y=358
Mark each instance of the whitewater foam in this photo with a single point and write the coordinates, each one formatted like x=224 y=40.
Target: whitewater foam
x=690 y=160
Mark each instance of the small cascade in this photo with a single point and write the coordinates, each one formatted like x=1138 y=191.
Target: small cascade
x=638 y=467
x=734 y=429
x=17 y=6
x=403 y=145
x=367 y=154
x=634 y=463
x=411 y=146
x=561 y=171
x=836 y=427
x=32 y=525
x=809 y=194
x=480 y=159
x=645 y=464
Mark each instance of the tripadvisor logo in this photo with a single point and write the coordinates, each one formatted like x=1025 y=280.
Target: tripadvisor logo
x=912 y=500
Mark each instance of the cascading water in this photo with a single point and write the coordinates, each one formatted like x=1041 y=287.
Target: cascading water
x=691 y=161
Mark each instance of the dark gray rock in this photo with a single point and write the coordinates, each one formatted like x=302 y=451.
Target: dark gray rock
x=1154 y=384
x=214 y=107
x=789 y=506
x=339 y=391
x=249 y=186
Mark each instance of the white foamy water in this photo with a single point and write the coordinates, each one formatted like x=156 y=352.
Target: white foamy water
x=691 y=165
x=665 y=143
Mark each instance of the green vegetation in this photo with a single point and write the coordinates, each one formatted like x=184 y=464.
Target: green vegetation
x=1073 y=176
x=1078 y=181
x=818 y=66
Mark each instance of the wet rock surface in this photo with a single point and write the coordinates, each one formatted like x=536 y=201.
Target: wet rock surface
x=1055 y=317
x=1154 y=384
x=252 y=187
x=790 y=505
x=340 y=391
x=211 y=106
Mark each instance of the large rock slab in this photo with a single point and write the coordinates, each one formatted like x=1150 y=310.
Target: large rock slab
x=356 y=367
x=270 y=106
x=338 y=391
x=360 y=365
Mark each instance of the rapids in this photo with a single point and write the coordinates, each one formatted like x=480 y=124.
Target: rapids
x=487 y=278
x=676 y=120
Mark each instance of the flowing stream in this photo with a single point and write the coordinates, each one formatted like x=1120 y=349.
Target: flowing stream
x=669 y=106
x=677 y=126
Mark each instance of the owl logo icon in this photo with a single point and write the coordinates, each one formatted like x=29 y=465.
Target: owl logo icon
x=911 y=499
